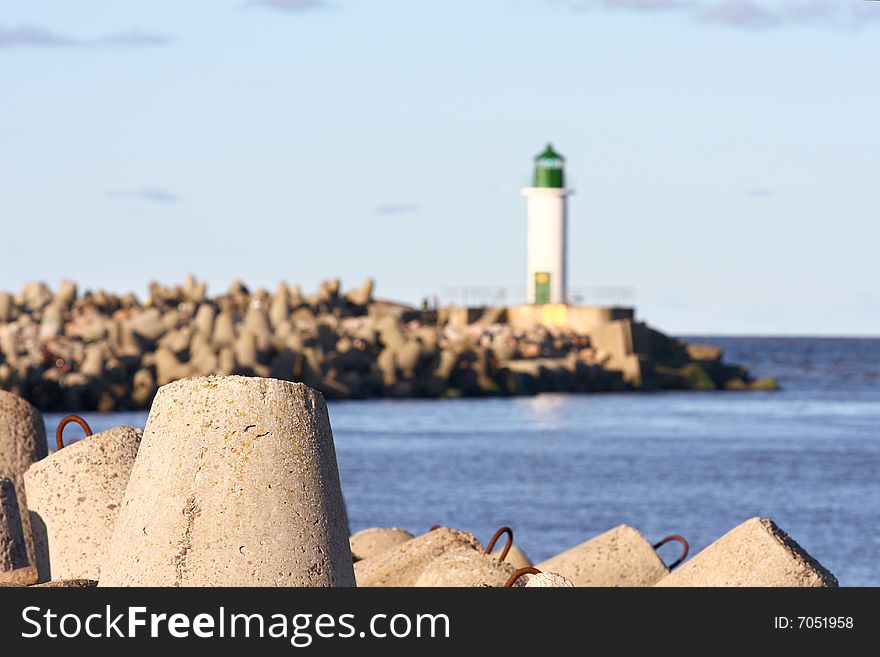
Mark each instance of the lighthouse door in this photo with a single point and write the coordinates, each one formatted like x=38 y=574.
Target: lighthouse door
x=542 y=287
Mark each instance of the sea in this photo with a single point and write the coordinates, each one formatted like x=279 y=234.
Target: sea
x=561 y=468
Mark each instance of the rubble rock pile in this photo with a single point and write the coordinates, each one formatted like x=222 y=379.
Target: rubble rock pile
x=62 y=350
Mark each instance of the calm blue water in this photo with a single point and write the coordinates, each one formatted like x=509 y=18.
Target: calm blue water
x=560 y=468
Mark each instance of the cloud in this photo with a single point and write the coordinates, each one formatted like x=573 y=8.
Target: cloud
x=133 y=38
x=32 y=35
x=290 y=5
x=396 y=208
x=752 y=14
x=35 y=36
x=739 y=13
x=787 y=13
x=831 y=13
x=760 y=193
x=631 y=5
x=647 y=5
x=149 y=194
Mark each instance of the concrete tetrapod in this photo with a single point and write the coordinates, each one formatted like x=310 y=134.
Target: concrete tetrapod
x=755 y=553
x=22 y=442
x=13 y=551
x=235 y=484
x=404 y=564
x=464 y=567
x=20 y=577
x=548 y=580
x=515 y=556
x=68 y=584
x=529 y=576
x=373 y=541
x=74 y=497
x=508 y=552
x=619 y=557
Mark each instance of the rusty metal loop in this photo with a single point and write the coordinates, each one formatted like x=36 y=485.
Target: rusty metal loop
x=59 y=432
x=528 y=570
x=494 y=539
x=684 y=545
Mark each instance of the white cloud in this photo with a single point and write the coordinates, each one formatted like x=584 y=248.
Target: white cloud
x=760 y=193
x=753 y=14
x=290 y=5
x=739 y=13
x=396 y=208
x=36 y=36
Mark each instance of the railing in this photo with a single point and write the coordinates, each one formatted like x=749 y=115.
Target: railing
x=606 y=295
x=481 y=296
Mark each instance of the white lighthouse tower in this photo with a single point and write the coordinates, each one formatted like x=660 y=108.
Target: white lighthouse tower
x=547 y=230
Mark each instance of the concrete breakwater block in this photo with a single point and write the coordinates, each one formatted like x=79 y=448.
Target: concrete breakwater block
x=619 y=557
x=465 y=567
x=74 y=497
x=235 y=484
x=22 y=443
x=13 y=551
x=404 y=564
x=515 y=556
x=376 y=540
x=19 y=577
x=755 y=553
x=68 y=584
x=548 y=580
x=529 y=576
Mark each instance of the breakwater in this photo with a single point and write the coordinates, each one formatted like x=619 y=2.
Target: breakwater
x=63 y=350
x=234 y=481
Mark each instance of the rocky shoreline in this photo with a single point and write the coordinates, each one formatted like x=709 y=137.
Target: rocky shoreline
x=62 y=350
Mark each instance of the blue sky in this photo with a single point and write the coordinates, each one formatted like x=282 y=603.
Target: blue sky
x=725 y=153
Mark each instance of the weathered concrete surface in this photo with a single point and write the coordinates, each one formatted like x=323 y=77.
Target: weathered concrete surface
x=626 y=344
x=235 y=484
x=13 y=550
x=755 y=553
x=465 y=567
x=548 y=580
x=68 y=584
x=619 y=557
x=373 y=541
x=19 y=577
x=22 y=442
x=580 y=319
x=74 y=496
x=404 y=564
x=515 y=556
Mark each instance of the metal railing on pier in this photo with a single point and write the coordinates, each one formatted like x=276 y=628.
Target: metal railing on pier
x=474 y=296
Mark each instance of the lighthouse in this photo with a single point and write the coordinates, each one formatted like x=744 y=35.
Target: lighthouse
x=547 y=208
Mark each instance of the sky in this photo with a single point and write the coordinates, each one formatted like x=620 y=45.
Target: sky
x=725 y=153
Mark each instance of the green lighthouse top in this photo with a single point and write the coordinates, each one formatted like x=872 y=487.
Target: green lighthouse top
x=549 y=168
